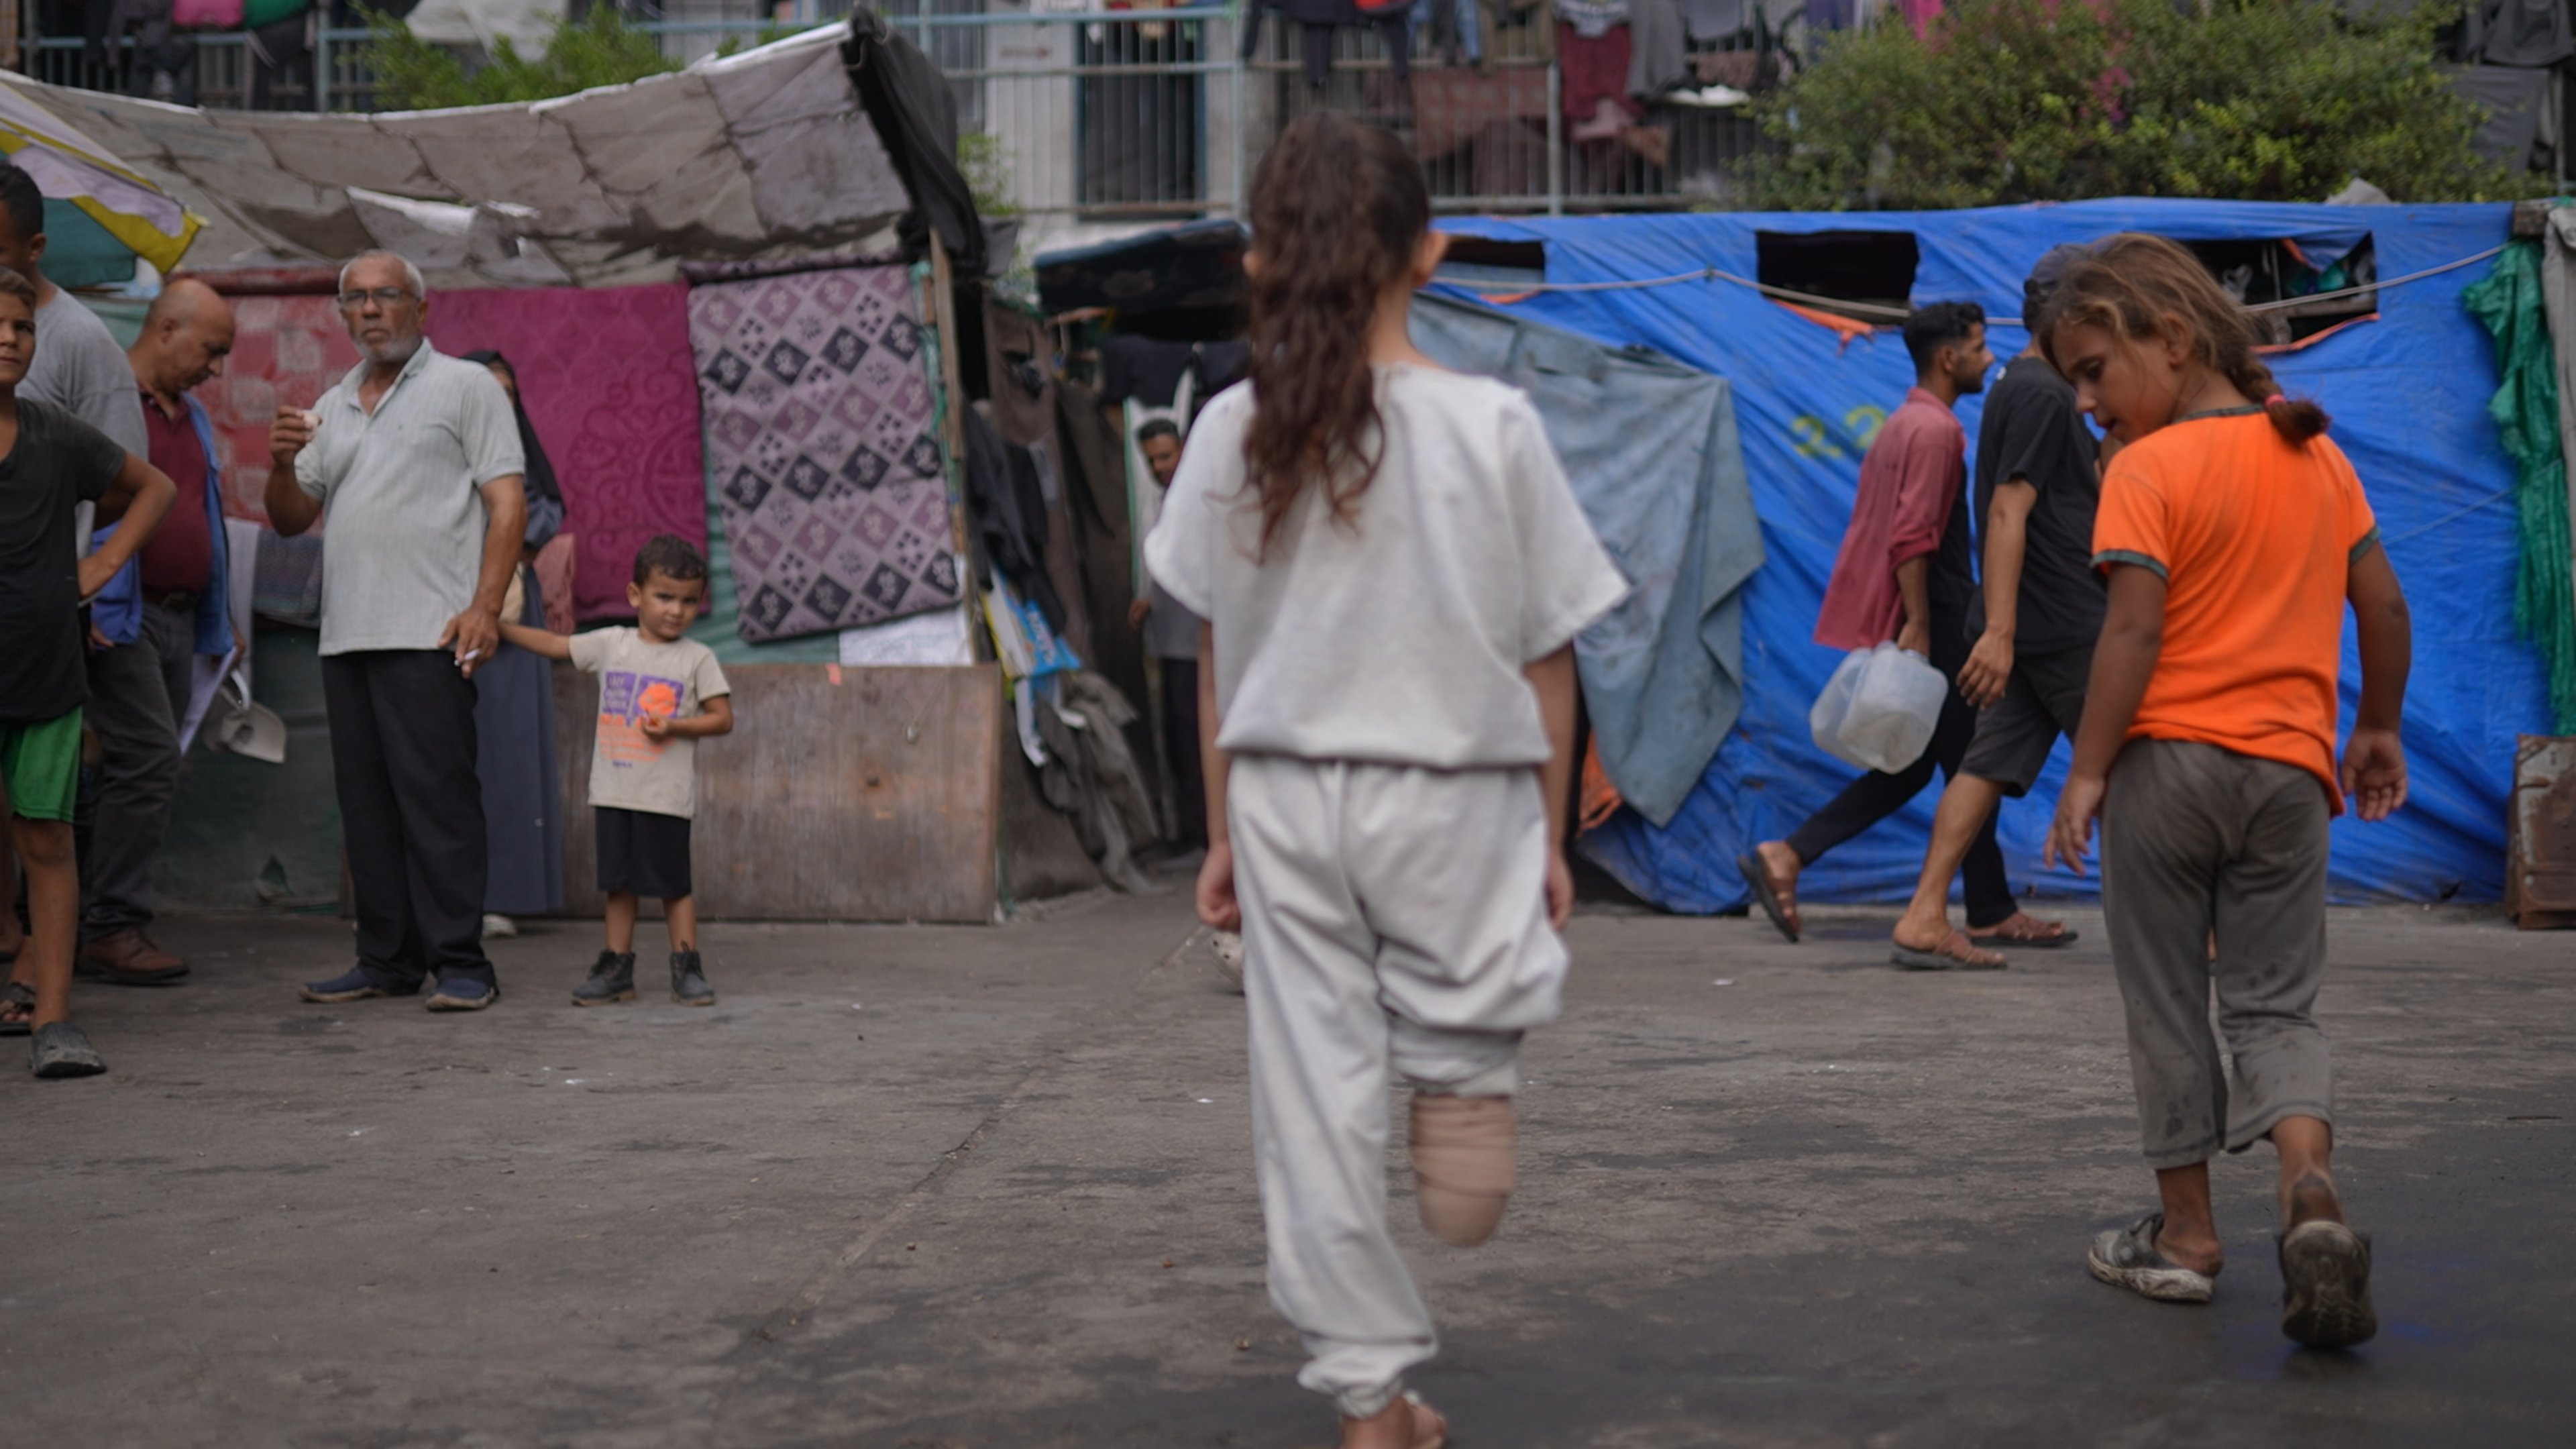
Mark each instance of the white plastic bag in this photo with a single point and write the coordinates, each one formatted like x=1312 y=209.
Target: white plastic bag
x=1879 y=709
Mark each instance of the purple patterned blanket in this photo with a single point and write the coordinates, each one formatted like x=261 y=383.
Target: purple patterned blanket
x=819 y=436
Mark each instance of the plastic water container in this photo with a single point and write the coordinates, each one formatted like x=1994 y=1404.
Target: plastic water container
x=1879 y=709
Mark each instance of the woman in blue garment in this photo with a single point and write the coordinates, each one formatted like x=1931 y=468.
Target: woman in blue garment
x=514 y=717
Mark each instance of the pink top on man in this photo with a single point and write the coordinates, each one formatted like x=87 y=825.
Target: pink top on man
x=1909 y=482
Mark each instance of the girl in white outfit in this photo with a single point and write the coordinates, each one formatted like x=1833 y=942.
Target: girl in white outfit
x=1393 y=570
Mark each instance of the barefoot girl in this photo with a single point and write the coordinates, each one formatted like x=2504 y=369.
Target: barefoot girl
x=1393 y=569
x=2234 y=533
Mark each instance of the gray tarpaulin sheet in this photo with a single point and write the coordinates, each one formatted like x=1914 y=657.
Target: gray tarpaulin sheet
x=766 y=153
x=1650 y=447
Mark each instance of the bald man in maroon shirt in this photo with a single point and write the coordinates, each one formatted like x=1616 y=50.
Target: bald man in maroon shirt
x=143 y=660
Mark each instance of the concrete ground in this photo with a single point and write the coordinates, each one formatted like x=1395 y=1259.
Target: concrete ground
x=992 y=1187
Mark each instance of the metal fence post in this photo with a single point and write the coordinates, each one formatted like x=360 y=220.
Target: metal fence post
x=322 y=69
x=1555 y=140
x=1238 y=186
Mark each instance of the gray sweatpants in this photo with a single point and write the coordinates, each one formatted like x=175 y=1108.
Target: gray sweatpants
x=2198 y=839
x=1392 y=917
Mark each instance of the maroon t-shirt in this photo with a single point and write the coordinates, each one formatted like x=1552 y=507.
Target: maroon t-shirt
x=180 y=556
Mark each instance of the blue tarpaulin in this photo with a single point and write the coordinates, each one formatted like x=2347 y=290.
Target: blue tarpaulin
x=2408 y=392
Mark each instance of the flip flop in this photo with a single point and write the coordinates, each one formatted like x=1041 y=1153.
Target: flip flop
x=2003 y=935
x=1953 y=954
x=1778 y=902
x=23 y=997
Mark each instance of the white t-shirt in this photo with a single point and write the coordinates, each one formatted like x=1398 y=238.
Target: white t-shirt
x=1398 y=637
x=637 y=677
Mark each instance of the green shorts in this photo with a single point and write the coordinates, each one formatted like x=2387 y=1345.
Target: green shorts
x=40 y=765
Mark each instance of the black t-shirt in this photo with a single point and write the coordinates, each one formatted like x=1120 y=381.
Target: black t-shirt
x=59 y=462
x=1951 y=584
x=2032 y=431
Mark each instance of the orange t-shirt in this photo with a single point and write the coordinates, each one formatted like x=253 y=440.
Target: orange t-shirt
x=2255 y=539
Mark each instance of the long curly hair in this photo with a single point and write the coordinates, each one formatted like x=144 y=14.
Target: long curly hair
x=2133 y=285
x=1338 y=210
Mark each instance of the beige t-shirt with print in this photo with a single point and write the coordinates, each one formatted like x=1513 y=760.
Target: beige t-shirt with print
x=637 y=677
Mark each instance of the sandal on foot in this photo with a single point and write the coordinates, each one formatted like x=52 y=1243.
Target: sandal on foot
x=2024 y=930
x=1777 y=898
x=1953 y=954
x=2325 y=1285
x=1462 y=1165
x=2128 y=1258
x=17 y=1008
x=61 y=1050
x=1427 y=1429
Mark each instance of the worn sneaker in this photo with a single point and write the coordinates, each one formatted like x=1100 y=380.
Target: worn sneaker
x=2127 y=1258
x=353 y=985
x=688 y=982
x=612 y=979
x=60 y=1050
x=463 y=993
x=2325 y=1285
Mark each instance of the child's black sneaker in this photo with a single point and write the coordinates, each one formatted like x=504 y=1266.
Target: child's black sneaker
x=613 y=979
x=2325 y=1285
x=689 y=982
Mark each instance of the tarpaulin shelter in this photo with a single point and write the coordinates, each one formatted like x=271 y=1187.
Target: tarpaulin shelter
x=2408 y=386
x=763 y=154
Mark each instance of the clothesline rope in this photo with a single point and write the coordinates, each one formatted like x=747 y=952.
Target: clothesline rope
x=1899 y=314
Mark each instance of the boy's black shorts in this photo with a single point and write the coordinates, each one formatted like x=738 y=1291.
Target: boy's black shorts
x=643 y=852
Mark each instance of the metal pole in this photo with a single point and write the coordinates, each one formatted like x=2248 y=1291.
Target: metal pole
x=1555 y=140
x=322 y=69
x=1239 y=188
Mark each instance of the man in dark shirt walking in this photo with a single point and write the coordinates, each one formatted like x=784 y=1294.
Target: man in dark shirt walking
x=2038 y=481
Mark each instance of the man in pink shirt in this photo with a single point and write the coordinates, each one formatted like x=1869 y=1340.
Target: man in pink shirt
x=1905 y=573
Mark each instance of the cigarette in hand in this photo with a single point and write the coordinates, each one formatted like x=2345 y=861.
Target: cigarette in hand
x=469 y=656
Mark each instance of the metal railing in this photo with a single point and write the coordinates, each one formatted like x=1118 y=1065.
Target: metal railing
x=1113 y=115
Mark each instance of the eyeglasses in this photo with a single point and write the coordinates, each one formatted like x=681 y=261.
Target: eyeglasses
x=387 y=297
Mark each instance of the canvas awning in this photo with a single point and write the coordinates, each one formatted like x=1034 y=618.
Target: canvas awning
x=767 y=153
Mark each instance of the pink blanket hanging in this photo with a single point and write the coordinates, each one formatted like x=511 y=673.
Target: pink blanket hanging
x=607 y=379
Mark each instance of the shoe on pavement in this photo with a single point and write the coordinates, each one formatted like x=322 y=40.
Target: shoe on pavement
x=612 y=979
x=2127 y=1258
x=499 y=927
x=352 y=985
x=128 y=958
x=61 y=1050
x=689 y=982
x=2325 y=1285
x=463 y=993
x=21 y=999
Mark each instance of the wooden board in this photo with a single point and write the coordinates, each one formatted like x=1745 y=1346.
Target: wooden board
x=842 y=794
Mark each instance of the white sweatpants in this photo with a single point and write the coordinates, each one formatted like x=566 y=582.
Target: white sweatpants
x=1391 y=916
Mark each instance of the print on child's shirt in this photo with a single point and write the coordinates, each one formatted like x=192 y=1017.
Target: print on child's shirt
x=625 y=697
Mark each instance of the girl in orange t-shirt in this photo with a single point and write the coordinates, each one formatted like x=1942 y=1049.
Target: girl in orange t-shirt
x=2234 y=532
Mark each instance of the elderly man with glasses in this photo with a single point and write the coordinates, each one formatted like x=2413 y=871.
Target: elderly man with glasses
x=416 y=457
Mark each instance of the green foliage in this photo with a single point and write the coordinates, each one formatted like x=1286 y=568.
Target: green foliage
x=987 y=168
x=2007 y=101
x=600 y=49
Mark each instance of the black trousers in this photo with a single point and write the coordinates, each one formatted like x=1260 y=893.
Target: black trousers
x=138 y=695
x=1181 y=747
x=411 y=812
x=1875 y=796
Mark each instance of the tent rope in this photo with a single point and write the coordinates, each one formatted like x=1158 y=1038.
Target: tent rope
x=1899 y=314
